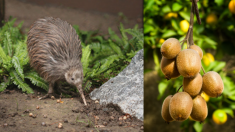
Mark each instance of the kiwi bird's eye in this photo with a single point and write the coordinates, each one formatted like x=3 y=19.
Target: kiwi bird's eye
x=72 y=78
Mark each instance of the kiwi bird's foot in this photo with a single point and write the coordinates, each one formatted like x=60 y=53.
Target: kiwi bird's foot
x=49 y=95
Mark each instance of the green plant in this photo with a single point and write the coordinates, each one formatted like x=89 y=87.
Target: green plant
x=101 y=58
x=14 y=61
x=105 y=58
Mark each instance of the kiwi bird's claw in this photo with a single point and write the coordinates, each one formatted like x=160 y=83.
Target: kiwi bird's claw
x=48 y=95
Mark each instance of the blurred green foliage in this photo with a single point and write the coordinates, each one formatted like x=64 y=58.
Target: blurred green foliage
x=215 y=34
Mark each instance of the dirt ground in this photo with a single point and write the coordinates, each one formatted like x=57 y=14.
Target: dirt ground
x=15 y=108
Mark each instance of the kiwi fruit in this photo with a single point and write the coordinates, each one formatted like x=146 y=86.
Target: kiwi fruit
x=212 y=84
x=188 y=63
x=181 y=105
x=198 y=49
x=200 y=110
x=193 y=85
x=169 y=68
x=165 y=109
x=170 y=48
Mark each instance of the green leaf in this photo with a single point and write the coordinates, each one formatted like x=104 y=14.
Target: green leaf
x=3 y=55
x=168 y=34
x=176 y=6
x=7 y=43
x=166 y=9
x=85 y=58
x=18 y=67
x=219 y=2
x=148 y=28
x=198 y=126
x=115 y=48
x=4 y=85
x=185 y=15
x=219 y=67
x=20 y=83
x=36 y=80
x=107 y=62
x=162 y=86
x=229 y=111
x=174 y=24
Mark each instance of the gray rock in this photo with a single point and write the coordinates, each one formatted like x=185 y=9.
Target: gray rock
x=126 y=89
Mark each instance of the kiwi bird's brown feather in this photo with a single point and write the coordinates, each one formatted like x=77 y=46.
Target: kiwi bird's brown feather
x=54 y=47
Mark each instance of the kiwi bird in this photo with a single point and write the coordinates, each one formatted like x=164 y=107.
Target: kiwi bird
x=55 y=52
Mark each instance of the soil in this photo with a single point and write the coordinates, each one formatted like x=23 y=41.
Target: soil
x=16 y=106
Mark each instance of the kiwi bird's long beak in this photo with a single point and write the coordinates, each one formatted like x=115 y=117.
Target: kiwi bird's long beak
x=79 y=87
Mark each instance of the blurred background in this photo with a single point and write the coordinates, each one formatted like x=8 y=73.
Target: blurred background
x=88 y=15
x=164 y=19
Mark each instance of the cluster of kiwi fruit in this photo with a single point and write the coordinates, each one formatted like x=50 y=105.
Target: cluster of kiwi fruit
x=187 y=63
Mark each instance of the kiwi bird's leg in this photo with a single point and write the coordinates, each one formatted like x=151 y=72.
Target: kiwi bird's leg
x=50 y=91
x=79 y=87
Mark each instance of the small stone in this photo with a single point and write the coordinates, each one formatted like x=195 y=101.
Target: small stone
x=26 y=111
x=120 y=123
x=124 y=117
x=142 y=128
x=37 y=107
x=44 y=124
x=5 y=124
x=105 y=123
x=60 y=126
x=58 y=101
x=39 y=93
x=34 y=116
x=52 y=97
x=91 y=130
x=120 y=118
x=96 y=101
x=65 y=121
x=30 y=114
x=111 y=118
x=45 y=116
x=97 y=118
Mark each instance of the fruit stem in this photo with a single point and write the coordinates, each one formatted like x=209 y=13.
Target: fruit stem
x=179 y=88
x=203 y=70
x=196 y=11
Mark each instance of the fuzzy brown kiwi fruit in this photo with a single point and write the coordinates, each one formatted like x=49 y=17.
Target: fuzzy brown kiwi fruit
x=193 y=85
x=200 y=110
x=181 y=105
x=170 y=48
x=198 y=49
x=212 y=84
x=165 y=110
x=169 y=68
x=188 y=63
